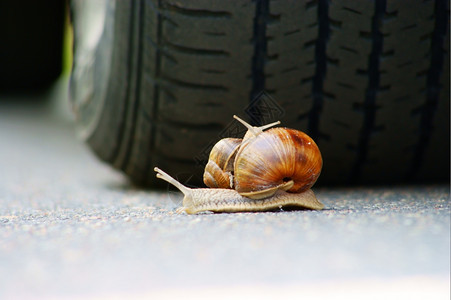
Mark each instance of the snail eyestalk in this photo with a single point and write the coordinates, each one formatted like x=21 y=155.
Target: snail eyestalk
x=264 y=127
x=166 y=177
x=255 y=130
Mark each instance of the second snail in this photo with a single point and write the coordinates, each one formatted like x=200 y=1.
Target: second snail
x=266 y=170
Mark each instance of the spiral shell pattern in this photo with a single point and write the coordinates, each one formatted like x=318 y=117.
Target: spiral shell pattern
x=218 y=171
x=277 y=156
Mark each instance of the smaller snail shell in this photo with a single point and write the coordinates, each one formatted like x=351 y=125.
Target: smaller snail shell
x=279 y=158
x=218 y=171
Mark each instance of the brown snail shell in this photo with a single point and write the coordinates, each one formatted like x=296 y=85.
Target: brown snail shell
x=218 y=171
x=279 y=158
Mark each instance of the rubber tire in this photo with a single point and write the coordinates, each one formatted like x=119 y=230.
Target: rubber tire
x=369 y=81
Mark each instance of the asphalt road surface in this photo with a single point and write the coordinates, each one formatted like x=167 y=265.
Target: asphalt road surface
x=71 y=227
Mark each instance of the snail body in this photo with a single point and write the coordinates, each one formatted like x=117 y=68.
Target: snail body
x=229 y=200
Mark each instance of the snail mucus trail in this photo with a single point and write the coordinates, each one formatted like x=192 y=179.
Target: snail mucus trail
x=267 y=170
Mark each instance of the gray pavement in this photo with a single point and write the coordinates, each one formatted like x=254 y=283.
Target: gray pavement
x=71 y=227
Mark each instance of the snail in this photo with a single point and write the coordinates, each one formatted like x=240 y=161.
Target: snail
x=263 y=171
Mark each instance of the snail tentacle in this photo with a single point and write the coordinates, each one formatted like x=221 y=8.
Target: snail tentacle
x=254 y=131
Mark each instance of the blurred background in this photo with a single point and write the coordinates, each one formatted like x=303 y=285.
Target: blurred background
x=36 y=44
x=36 y=56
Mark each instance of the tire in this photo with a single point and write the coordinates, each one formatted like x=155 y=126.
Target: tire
x=369 y=81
